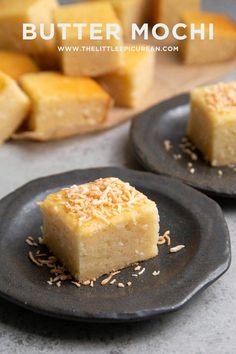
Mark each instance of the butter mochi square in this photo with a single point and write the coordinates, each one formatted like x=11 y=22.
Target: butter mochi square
x=223 y=45
x=212 y=122
x=129 y=85
x=63 y=106
x=128 y=12
x=13 y=14
x=170 y=11
x=14 y=105
x=88 y=62
x=100 y=227
x=16 y=64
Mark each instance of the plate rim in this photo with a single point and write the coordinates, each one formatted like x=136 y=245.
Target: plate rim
x=120 y=316
x=172 y=102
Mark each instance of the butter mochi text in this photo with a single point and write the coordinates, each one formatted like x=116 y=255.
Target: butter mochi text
x=99 y=31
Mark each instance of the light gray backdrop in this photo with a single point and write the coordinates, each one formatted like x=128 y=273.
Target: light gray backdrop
x=207 y=325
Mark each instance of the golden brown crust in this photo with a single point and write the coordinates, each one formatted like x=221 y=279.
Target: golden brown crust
x=101 y=199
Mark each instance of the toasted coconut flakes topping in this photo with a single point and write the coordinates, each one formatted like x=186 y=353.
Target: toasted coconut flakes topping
x=167 y=145
x=155 y=273
x=221 y=97
x=64 y=277
x=48 y=262
x=57 y=271
x=40 y=240
x=161 y=240
x=176 y=248
x=137 y=268
x=141 y=271
x=107 y=280
x=77 y=284
x=101 y=199
x=86 y=282
x=129 y=283
x=35 y=261
x=165 y=238
x=188 y=148
x=120 y=285
x=31 y=242
x=168 y=240
x=177 y=157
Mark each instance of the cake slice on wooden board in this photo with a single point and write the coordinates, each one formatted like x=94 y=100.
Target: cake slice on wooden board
x=14 y=107
x=14 y=14
x=87 y=61
x=212 y=122
x=100 y=227
x=129 y=85
x=16 y=64
x=170 y=11
x=223 y=45
x=63 y=106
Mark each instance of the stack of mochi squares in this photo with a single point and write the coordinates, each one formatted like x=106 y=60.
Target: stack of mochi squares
x=76 y=90
x=204 y=49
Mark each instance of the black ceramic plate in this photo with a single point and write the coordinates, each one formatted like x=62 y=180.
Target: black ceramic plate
x=194 y=220
x=168 y=121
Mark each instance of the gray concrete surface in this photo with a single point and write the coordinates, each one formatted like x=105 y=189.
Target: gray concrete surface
x=207 y=325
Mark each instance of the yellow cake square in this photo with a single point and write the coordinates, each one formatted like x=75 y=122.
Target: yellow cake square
x=100 y=227
x=14 y=105
x=129 y=85
x=12 y=17
x=212 y=122
x=63 y=106
x=89 y=59
x=128 y=12
x=221 y=47
x=16 y=64
x=170 y=11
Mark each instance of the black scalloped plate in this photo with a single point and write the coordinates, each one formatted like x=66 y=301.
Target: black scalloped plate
x=167 y=121
x=194 y=220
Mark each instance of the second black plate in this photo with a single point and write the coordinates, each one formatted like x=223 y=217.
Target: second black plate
x=167 y=121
